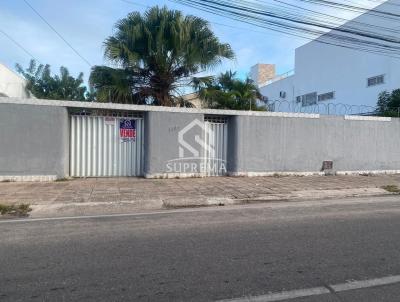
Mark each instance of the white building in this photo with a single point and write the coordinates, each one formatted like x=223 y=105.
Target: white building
x=11 y=84
x=334 y=79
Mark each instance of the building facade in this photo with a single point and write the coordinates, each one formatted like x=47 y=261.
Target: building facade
x=336 y=79
x=11 y=84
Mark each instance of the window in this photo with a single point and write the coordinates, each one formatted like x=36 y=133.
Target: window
x=378 y=80
x=309 y=99
x=326 y=96
x=282 y=94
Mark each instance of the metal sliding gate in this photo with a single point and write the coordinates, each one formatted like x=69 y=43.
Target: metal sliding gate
x=97 y=149
x=216 y=146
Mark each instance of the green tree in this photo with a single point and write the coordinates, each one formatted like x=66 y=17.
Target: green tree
x=228 y=92
x=156 y=54
x=43 y=85
x=389 y=103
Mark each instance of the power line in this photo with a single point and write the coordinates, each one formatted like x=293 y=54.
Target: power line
x=58 y=34
x=293 y=21
x=211 y=22
x=18 y=44
x=138 y=4
x=354 y=35
x=339 y=19
x=344 y=36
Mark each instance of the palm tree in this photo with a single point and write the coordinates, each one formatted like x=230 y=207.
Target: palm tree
x=156 y=55
x=228 y=92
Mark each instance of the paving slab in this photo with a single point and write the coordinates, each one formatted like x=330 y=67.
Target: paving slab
x=120 y=194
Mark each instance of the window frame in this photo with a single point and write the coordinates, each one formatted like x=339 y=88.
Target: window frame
x=333 y=93
x=306 y=103
x=376 y=80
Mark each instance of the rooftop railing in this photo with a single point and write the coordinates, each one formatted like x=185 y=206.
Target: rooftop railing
x=278 y=78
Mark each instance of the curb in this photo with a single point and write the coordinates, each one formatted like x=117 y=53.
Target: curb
x=118 y=207
x=284 y=197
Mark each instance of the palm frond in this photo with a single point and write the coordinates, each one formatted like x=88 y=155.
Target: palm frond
x=157 y=50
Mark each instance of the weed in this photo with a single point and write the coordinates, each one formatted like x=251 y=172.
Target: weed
x=20 y=210
x=392 y=189
x=61 y=179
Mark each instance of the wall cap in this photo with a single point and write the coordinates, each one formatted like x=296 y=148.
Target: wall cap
x=28 y=178
x=144 y=108
x=367 y=118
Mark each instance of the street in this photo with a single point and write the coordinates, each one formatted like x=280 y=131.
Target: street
x=209 y=254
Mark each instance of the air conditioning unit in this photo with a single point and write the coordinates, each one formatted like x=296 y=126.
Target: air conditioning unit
x=282 y=94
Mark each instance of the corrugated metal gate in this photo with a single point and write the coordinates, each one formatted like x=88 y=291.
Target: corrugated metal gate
x=216 y=146
x=98 y=151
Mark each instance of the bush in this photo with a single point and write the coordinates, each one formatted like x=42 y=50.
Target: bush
x=20 y=210
x=389 y=103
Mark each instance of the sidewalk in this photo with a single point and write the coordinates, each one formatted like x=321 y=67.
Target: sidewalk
x=121 y=195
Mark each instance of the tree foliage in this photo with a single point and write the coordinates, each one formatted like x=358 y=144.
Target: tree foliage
x=228 y=92
x=156 y=54
x=389 y=103
x=43 y=85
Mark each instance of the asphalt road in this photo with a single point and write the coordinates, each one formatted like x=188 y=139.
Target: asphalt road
x=207 y=254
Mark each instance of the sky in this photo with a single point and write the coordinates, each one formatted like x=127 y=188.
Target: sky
x=86 y=24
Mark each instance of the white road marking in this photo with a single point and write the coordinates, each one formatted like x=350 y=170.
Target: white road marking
x=93 y=216
x=316 y=291
x=300 y=293
x=366 y=283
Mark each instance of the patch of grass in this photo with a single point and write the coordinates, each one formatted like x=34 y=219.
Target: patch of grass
x=282 y=175
x=20 y=210
x=61 y=179
x=392 y=189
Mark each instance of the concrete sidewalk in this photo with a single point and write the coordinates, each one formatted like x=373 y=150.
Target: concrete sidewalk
x=121 y=195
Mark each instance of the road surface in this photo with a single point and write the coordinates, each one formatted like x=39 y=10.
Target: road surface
x=332 y=250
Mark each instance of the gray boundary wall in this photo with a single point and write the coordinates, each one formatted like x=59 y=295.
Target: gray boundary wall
x=263 y=146
x=161 y=143
x=34 y=140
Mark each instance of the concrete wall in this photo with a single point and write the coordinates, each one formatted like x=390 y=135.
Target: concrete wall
x=263 y=145
x=162 y=157
x=34 y=142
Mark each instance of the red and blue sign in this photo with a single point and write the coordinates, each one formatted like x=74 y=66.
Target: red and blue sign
x=127 y=130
